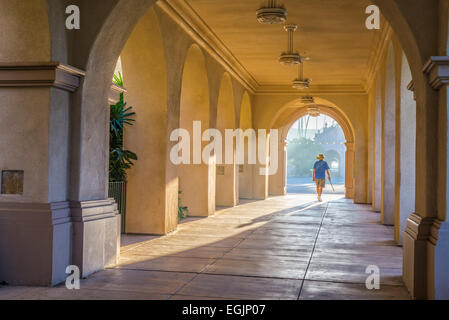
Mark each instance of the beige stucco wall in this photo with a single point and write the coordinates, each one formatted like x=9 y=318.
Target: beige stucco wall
x=25 y=31
x=27 y=143
x=389 y=140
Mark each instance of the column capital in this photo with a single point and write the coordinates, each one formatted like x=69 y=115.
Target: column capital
x=419 y=228
x=284 y=143
x=40 y=74
x=437 y=70
x=349 y=145
x=411 y=87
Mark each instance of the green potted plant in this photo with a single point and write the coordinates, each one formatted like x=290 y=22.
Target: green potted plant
x=120 y=159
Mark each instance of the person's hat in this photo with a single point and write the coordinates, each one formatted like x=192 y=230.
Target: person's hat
x=320 y=157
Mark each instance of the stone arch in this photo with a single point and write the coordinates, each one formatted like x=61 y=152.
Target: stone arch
x=389 y=139
x=226 y=173
x=285 y=119
x=246 y=171
x=332 y=112
x=90 y=111
x=145 y=78
x=197 y=180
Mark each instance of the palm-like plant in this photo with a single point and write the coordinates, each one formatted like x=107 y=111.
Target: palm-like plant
x=182 y=211
x=120 y=160
x=118 y=79
x=120 y=116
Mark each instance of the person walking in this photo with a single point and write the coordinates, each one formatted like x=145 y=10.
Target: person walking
x=319 y=175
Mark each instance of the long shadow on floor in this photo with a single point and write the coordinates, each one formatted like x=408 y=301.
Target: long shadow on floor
x=281 y=248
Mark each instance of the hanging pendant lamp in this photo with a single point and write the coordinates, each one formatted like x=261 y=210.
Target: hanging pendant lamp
x=300 y=83
x=271 y=13
x=290 y=58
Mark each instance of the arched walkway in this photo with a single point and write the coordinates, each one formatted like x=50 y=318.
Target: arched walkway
x=55 y=141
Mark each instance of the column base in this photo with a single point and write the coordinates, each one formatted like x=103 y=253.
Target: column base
x=96 y=235
x=438 y=261
x=38 y=241
x=349 y=194
x=426 y=258
x=35 y=243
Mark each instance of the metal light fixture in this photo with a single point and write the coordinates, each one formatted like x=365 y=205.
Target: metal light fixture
x=290 y=57
x=272 y=13
x=300 y=83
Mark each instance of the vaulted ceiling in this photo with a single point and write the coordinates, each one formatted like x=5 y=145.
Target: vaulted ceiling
x=331 y=32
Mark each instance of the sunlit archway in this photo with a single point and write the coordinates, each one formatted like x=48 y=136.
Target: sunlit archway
x=308 y=137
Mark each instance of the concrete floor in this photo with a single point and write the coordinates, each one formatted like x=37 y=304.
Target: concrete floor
x=283 y=248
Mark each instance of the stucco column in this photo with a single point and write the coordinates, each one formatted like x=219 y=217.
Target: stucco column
x=246 y=174
x=377 y=150
x=388 y=160
x=349 y=175
x=278 y=181
x=426 y=238
x=260 y=174
x=38 y=222
x=96 y=221
x=406 y=162
x=438 y=243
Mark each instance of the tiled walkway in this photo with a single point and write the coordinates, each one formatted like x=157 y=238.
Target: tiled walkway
x=282 y=248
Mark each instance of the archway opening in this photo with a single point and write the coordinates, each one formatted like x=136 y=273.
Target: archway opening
x=143 y=69
x=287 y=118
x=308 y=137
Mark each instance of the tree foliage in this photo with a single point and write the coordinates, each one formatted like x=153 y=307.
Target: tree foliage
x=302 y=155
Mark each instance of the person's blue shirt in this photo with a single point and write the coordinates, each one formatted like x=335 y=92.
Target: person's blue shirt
x=320 y=169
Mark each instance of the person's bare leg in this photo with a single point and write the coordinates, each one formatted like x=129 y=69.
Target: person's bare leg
x=320 y=192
